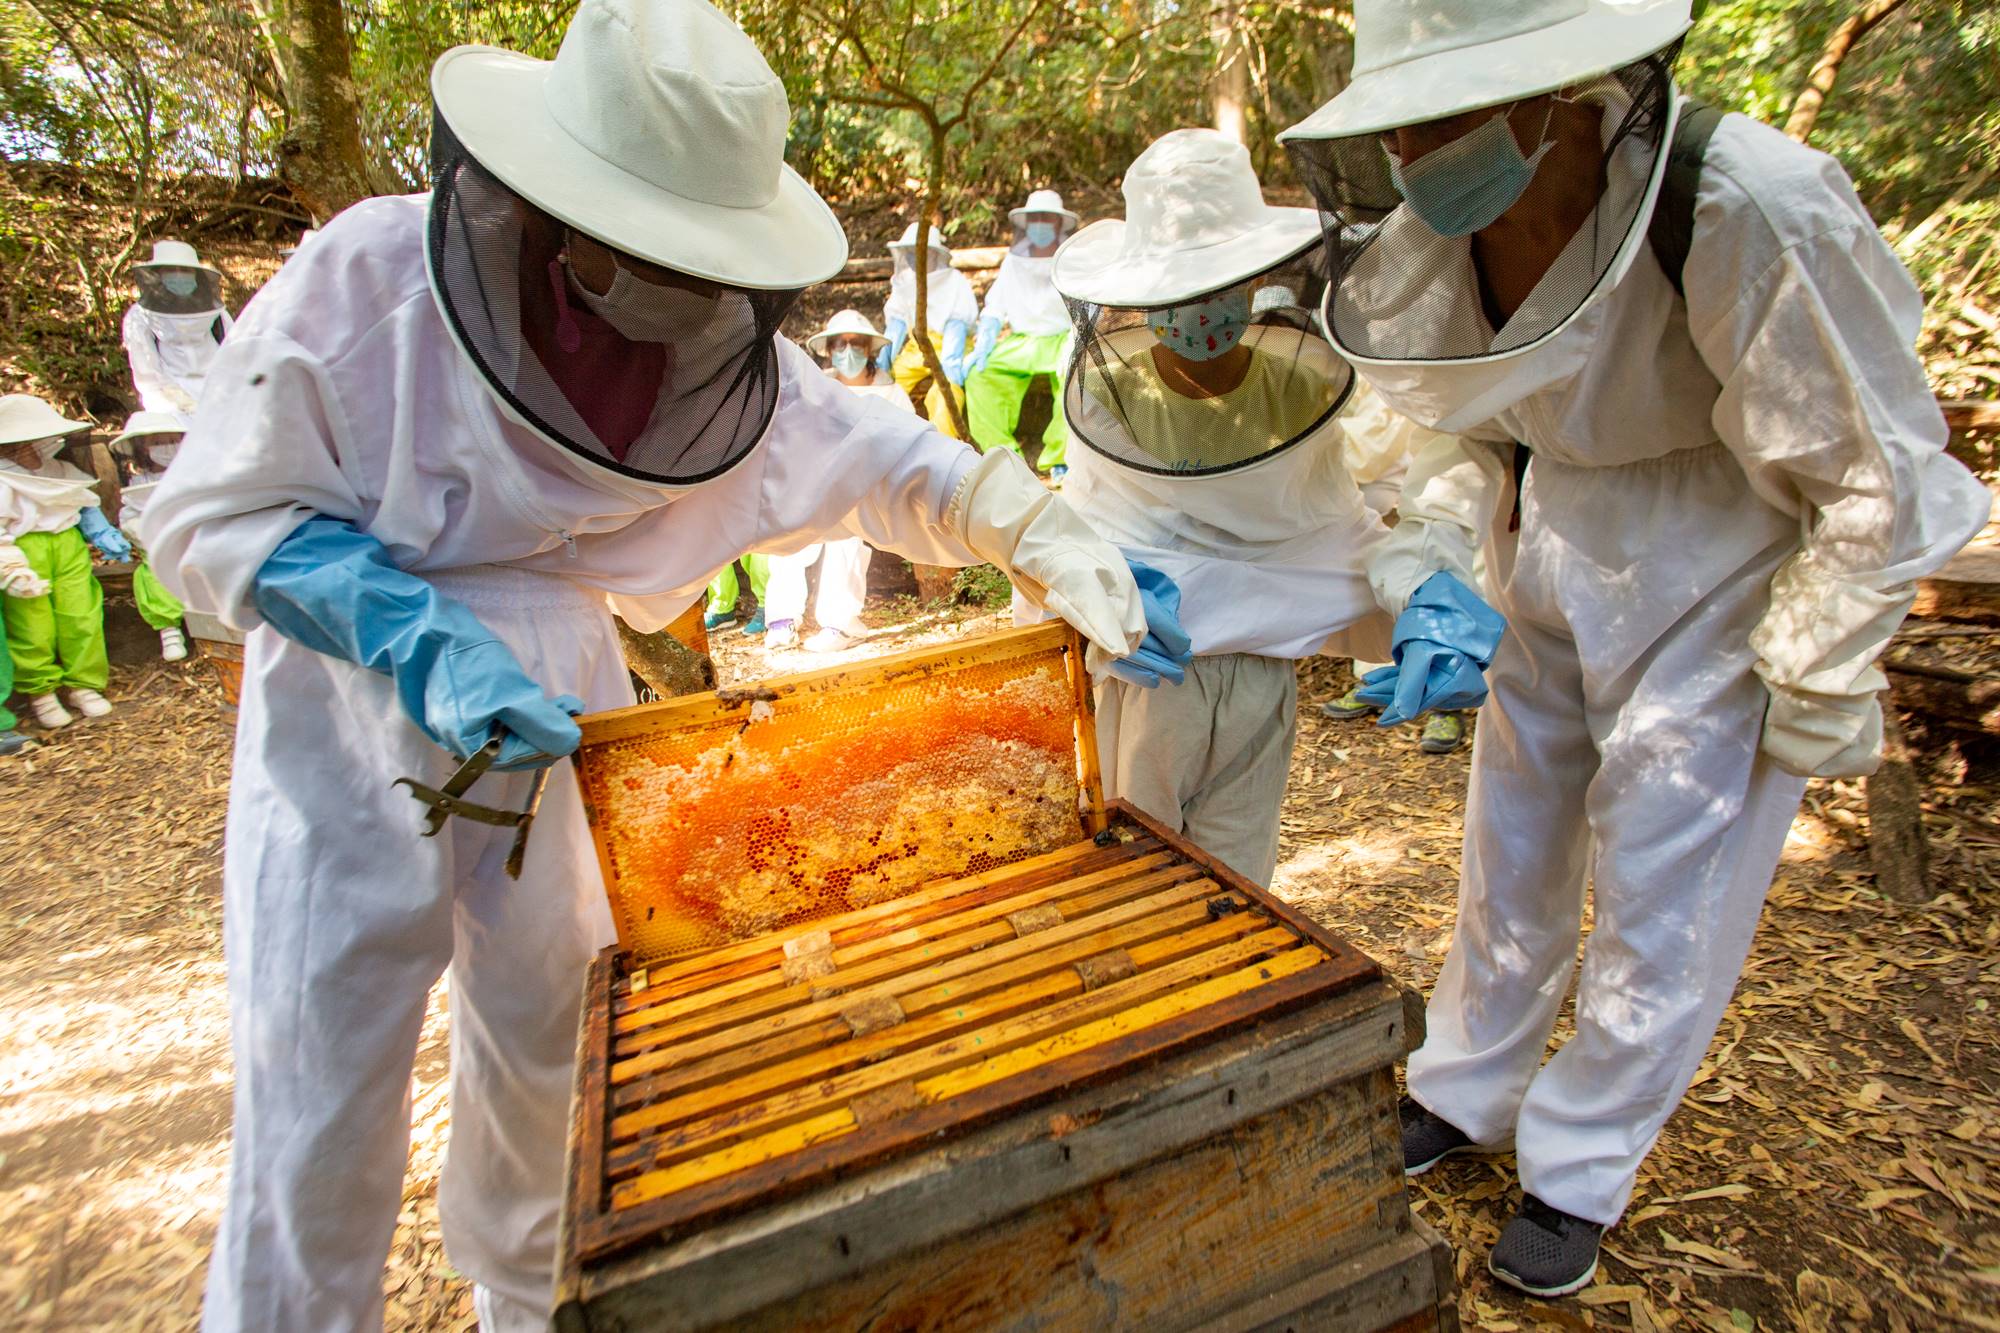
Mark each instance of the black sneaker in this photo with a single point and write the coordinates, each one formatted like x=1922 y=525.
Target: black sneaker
x=1545 y=1252
x=1428 y=1139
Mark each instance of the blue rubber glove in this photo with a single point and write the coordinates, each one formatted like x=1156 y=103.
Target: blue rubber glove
x=1443 y=643
x=952 y=354
x=982 y=348
x=898 y=333
x=1166 y=649
x=97 y=530
x=334 y=589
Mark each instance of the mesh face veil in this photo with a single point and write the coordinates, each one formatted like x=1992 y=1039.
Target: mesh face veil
x=1130 y=398
x=200 y=291
x=144 y=455
x=905 y=257
x=1402 y=293
x=668 y=401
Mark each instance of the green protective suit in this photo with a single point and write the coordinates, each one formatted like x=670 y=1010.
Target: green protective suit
x=157 y=607
x=722 y=592
x=8 y=722
x=994 y=392
x=58 y=640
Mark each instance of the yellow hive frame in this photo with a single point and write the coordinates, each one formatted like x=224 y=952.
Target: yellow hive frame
x=715 y=722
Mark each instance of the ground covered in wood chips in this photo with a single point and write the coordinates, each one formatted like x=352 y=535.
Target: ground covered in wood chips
x=1837 y=1163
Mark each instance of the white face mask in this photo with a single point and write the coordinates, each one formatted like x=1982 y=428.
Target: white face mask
x=180 y=284
x=647 y=312
x=849 y=362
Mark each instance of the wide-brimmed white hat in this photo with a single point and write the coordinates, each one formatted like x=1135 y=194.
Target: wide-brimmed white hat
x=850 y=323
x=1422 y=60
x=150 y=423
x=908 y=241
x=659 y=130
x=1041 y=201
x=25 y=417
x=1195 y=222
x=175 y=254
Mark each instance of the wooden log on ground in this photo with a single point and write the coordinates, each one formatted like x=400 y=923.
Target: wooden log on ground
x=1967 y=588
x=877 y=268
x=1896 y=842
x=1963 y=414
x=1955 y=698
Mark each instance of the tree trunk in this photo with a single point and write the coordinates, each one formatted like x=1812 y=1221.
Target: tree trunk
x=674 y=661
x=321 y=157
x=1230 y=87
x=1819 y=86
x=1896 y=843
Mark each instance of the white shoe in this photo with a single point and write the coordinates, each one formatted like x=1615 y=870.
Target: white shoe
x=173 y=644
x=90 y=703
x=49 y=712
x=831 y=640
x=781 y=634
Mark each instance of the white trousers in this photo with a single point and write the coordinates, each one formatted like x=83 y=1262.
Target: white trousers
x=843 y=585
x=1649 y=786
x=1209 y=757
x=338 y=918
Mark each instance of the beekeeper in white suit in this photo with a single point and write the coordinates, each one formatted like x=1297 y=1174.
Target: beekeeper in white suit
x=1207 y=411
x=1731 y=495
x=174 y=330
x=444 y=435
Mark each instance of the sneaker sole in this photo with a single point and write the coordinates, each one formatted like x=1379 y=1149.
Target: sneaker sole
x=1546 y=1293
x=1355 y=716
x=1433 y=747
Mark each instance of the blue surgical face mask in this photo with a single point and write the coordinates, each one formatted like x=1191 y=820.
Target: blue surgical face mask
x=1467 y=184
x=849 y=361
x=1041 y=235
x=180 y=284
x=1205 y=329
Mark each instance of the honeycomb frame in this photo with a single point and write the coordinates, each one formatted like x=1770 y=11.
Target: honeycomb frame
x=718 y=817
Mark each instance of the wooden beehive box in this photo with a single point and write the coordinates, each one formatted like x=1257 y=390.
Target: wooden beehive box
x=908 y=1028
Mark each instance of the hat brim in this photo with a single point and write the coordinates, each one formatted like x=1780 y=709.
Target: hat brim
x=162 y=263
x=52 y=427
x=492 y=99
x=1017 y=216
x=1603 y=38
x=1091 y=265
x=816 y=344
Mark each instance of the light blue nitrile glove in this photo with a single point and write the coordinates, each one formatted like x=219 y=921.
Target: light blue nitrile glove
x=898 y=333
x=97 y=530
x=1443 y=643
x=1166 y=649
x=334 y=589
x=952 y=354
x=989 y=338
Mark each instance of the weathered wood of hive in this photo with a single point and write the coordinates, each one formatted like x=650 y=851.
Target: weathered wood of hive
x=763 y=1067
x=724 y=816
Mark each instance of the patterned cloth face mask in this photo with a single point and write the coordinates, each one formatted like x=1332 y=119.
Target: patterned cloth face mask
x=1205 y=329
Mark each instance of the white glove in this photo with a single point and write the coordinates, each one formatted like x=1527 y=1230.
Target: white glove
x=1816 y=649
x=17 y=577
x=1054 y=559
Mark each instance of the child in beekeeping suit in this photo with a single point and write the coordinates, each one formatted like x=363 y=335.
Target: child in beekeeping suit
x=1207 y=411
x=55 y=608
x=144 y=448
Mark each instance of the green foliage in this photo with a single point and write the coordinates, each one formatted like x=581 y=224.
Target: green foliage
x=982 y=586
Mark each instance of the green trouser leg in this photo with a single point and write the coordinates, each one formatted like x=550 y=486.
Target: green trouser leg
x=7 y=719
x=58 y=640
x=157 y=607
x=723 y=591
x=993 y=395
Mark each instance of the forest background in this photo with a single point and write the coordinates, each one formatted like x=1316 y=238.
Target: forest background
x=236 y=123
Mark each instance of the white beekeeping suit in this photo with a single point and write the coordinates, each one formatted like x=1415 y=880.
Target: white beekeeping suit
x=580 y=398
x=1730 y=497
x=174 y=330
x=1206 y=417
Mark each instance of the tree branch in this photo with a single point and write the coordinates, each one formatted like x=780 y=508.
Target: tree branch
x=1799 y=125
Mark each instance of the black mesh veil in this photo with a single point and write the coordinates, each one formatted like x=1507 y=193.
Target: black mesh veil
x=680 y=405
x=1401 y=292
x=157 y=296
x=140 y=456
x=1131 y=399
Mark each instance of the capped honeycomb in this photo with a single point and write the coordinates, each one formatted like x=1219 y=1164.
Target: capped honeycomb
x=719 y=817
